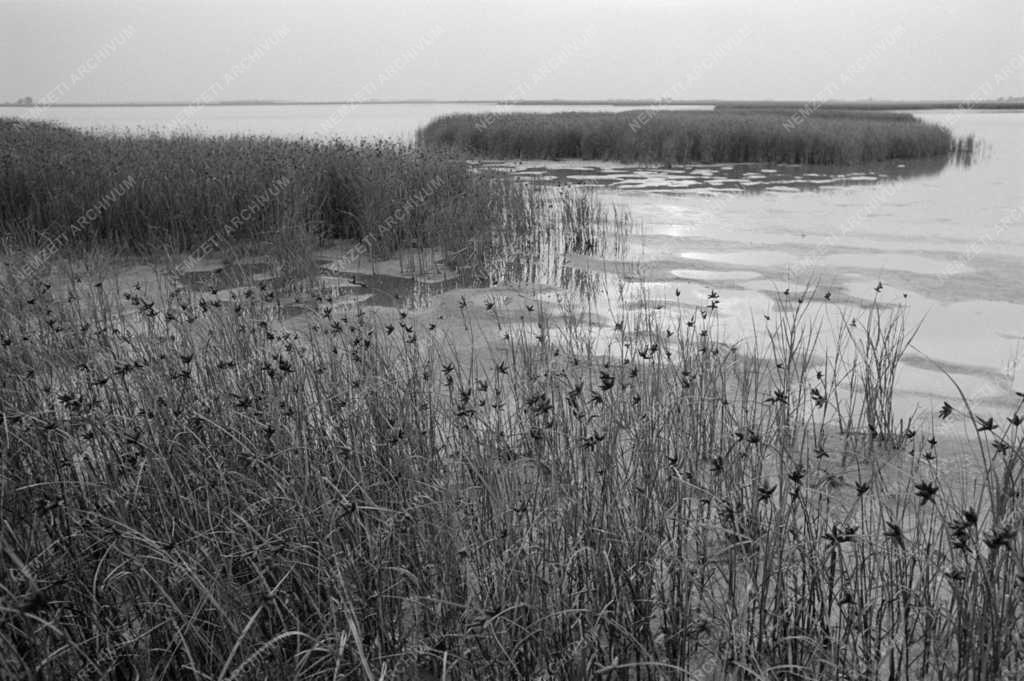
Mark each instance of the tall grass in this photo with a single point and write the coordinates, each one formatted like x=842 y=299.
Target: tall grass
x=187 y=189
x=674 y=137
x=192 y=491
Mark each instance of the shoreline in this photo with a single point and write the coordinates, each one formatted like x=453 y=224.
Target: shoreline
x=888 y=105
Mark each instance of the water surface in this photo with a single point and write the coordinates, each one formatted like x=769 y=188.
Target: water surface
x=947 y=242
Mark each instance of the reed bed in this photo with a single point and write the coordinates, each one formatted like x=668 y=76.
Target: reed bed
x=187 y=189
x=679 y=137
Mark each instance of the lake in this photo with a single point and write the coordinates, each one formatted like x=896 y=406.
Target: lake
x=944 y=239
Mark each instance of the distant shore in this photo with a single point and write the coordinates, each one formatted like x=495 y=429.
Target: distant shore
x=1008 y=105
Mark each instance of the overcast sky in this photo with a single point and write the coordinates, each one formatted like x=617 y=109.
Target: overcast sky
x=157 y=50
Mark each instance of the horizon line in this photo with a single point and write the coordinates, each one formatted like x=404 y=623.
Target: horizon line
x=628 y=101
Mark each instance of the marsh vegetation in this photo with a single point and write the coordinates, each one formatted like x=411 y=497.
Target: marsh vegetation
x=678 y=137
x=197 y=483
x=188 y=188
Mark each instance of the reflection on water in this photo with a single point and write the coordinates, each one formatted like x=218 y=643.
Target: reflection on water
x=722 y=178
